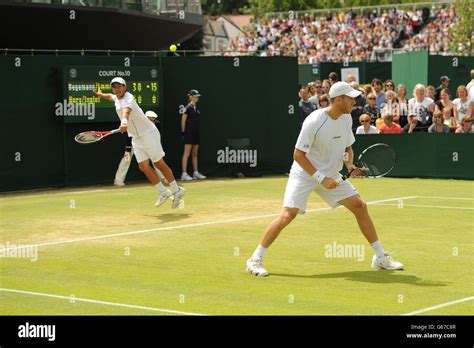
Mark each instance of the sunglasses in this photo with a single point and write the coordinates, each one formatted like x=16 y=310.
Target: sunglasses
x=469 y=121
x=371 y=98
x=389 y=85
x=364 y=121
x=318 y=86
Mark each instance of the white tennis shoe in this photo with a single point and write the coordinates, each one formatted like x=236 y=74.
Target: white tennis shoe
x=386 y=262
x=255 y=267
x=178 y=197
x=198 y=175
x=186 y=177
x=163 y=196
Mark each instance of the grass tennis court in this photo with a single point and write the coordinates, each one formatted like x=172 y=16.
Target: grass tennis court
x=107 y=250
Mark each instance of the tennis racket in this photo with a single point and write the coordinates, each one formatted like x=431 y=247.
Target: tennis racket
x=375 y=161
x=93 y=136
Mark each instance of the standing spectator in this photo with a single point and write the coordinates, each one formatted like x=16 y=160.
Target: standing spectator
x=333 y=78
x=371 y=109
x=420 y=107
x=391 y=106
x=190 y=131
x=366 y=127
x=402 y=105
x=379 y=94
x=318 y=85
x=461 y=105
x=389 y=86
x=471 y=83
x=467 y=126
x=444 y=84
x=430 y=92
x=438 y=125
x=306 y=107
x=388 y=126
x=323 y=101
x=325 y=86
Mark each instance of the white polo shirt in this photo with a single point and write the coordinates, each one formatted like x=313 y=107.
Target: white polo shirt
x=324 y=140
x=138 y=123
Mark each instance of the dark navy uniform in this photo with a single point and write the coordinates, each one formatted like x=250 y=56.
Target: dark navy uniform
x=191 y=130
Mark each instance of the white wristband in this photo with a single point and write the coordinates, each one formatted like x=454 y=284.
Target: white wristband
x=124 y=122
x=319 y=176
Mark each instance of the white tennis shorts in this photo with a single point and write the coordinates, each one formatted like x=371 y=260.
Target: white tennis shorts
x=299 y=188
x=148 y=146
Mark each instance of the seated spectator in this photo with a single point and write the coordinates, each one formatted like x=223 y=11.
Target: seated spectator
x=371 y=109
x=414 y=125
x=391 y=106
x=438 y=125
x=379 y=94
x=467 y=126
x=325 y=86
x=366 y=127
x=359 y=103
x=420 y=107
x=402 y=105
x=367 y=90
x=306 y=107
x=388 y=126
x=350 y=78
x=323 y=101
x=461 y=105
x=388 y=86
x=430 y=92
x=333 y=78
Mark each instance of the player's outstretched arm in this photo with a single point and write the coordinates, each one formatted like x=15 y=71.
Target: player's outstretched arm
x=107 y=96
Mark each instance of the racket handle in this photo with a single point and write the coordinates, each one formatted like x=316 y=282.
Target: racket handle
x=115 y=131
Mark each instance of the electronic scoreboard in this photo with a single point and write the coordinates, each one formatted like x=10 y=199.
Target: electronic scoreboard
x=81 y=105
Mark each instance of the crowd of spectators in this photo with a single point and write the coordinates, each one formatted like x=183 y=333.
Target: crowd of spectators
x=384 y=108
x=347 y=35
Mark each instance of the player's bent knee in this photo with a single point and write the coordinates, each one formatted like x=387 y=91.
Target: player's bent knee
x=144 y=166
x=288 y=215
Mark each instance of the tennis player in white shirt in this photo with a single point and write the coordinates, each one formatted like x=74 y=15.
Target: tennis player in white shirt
x=323 y=146
x=146 y=141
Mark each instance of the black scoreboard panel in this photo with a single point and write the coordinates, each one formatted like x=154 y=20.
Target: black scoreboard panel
x=81 y=105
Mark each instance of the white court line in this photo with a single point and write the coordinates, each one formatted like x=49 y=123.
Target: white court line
x=100 y=302
x=182 y=226
x=426 y=206
x=440 y=306
x=435 y=197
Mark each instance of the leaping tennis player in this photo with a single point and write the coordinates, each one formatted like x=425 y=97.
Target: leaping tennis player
x=323 y=146
x=146 y=141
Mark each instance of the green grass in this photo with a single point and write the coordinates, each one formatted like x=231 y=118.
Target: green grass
x=206 y=264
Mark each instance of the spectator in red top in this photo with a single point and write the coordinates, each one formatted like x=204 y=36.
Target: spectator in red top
x=389 y=127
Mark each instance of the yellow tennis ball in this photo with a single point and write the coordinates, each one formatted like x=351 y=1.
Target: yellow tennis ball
x=173 y=48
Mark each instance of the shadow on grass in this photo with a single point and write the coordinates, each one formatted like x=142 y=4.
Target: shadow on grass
x=381 y=277
x=170 y=217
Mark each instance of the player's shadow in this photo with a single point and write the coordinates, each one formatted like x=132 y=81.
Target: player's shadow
x=381 y=277
x=170 y=217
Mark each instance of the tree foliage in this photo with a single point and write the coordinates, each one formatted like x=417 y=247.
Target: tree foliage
x=462 y=33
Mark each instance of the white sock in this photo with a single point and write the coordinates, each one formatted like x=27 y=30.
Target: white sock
x=258 y=253
x=160 y=187
x=174 y=186
x=379 y=252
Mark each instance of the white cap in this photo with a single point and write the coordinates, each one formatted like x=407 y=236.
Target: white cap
x=151 y=114
x=118 y=80
x=343 y=88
